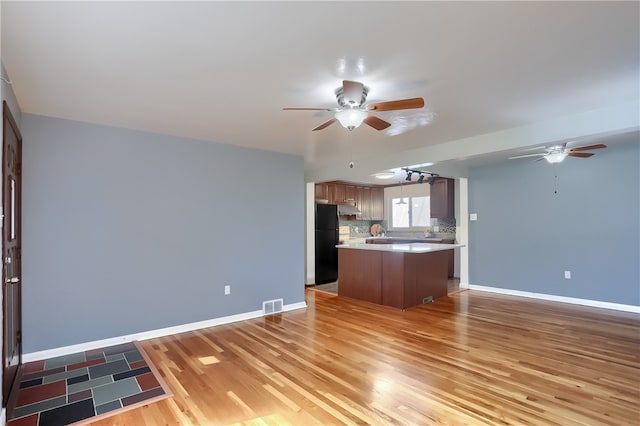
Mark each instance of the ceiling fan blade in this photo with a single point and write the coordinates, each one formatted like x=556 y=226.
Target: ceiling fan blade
x=308 y=109
x=394 y=105
x=325 y=124
x=376 y=123
x=527 y=155
x=352 y=92
x=587 y=147
x=580 y=154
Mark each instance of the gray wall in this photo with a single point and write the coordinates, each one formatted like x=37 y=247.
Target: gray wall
x=526 y=236
x=126 y=231
x=9 y=96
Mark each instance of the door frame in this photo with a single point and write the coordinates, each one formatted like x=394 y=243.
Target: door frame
x=9 y=124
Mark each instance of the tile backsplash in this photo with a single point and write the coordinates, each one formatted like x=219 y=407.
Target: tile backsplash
x=362 y=228
x=445 y=226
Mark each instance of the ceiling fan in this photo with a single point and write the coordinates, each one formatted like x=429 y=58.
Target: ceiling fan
x=352 y=111
x=557 y=153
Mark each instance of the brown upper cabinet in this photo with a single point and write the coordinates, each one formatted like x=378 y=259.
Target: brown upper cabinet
x=377 y=203
x=350 y=193
x=443 y=198
x=336 y=193
x=365 y=203
x=369 y=200
x=322 y=191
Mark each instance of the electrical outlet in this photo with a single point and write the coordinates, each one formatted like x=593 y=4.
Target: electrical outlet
x=473 y=217
x=567 y=275
x=227 y=290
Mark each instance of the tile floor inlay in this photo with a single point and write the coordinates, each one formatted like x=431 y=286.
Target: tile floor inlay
x=78 y=387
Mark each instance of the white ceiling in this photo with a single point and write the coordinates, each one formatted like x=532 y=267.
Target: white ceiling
x=222 y=71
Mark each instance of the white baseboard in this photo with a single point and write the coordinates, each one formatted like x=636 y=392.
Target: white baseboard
x=554 y=298
x=294 y=306
x=3 y=417
x=96 y=344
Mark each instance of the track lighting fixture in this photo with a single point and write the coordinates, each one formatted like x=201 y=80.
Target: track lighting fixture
x=430 y=180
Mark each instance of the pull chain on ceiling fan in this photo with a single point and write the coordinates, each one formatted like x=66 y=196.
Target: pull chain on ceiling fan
x=352 y=111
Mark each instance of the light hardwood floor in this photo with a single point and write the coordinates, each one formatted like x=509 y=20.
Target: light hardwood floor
x=472 y=358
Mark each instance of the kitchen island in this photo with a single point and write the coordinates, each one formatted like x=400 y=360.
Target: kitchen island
x=397 y=275
x=406 y=240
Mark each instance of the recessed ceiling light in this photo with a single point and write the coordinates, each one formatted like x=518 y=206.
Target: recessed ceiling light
x=384 y=175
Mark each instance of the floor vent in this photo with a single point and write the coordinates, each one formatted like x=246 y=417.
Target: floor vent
x=272 y=306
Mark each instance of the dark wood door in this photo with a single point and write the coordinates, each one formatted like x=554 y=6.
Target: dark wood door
x=11 y=251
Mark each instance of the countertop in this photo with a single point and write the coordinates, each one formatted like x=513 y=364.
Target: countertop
x=421 y=239
x=402 y=248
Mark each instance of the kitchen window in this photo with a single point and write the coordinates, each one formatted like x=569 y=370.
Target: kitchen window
x=411 y=212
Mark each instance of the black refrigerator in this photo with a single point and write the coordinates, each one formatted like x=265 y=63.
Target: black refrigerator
x=326 y=241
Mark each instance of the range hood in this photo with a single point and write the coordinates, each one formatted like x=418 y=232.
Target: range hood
x=347 y=210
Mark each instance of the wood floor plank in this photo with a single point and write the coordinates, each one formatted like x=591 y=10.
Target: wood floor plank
x=471 y=358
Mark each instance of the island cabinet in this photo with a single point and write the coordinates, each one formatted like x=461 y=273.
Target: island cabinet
x=410 y=279
x=391 y=275
x=442 y=198
x=394 y=240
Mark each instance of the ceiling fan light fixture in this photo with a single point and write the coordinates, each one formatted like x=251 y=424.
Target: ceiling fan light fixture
x=351 y=118
x=555 y=157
